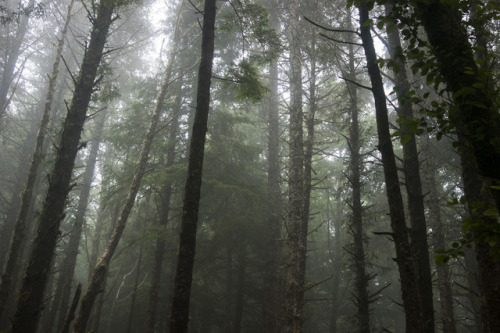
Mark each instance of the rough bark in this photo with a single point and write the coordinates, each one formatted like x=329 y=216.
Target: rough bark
x=179 y=315
x=296 y=230
x=13 y=259
x=362 y=300
x=404 y=257
x=66 y=269
x=412 y=181
x=99 y=273
x=31 y=295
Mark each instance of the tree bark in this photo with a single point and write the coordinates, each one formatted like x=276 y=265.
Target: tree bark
x=404 y=256
x=412 y=181
x=296 y=230
x=67 y=267
x=362 y=300
x=13 y=259
x=31 y=295
x=179 y=315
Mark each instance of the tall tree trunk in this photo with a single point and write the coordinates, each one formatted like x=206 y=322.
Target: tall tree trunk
x=296 y=231
x=166 y=194
x=99 y=273
x=443 y=270
x=404 y=256
x=13 y=259
x=71 y=313
x=413 y=182
x=10 y=64
x=179 y=315
x=271 y=304
x=136 y=284
x=334 y=251
x=66 y=270
x=362 y=300
x=240 y=286
x=31 y=294
x=488 y=269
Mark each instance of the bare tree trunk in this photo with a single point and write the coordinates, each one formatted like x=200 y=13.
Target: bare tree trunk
x=179 y=316
x=67 y=267
x=31 y=295
x=271 y=304
x=443 y=270
x=72 y=309
x=136 y=284
x=12 y=266
x=296 y=230
x=413 y=182
x=404 y=256
x=166 y=194
x=10 y=64
x=240 y=286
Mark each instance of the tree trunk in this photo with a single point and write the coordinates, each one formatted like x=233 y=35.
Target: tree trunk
x=297 y=232
x=154 y=291
x=476 y=115
x=31 y=295
x=67 y=267
x=240 y=286
x=99 y=273
x=443 y=270
x=10 y=64
x=413 y=182
x=271 y=292
x=404 y=257
x=136 y=284
x=179 y=316
x=13 y=259
x=488 y=269
x=362 y=300
x=71 y=314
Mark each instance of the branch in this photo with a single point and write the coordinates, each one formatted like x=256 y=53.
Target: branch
x=331 y=29
x=339 y=41
x=356 y=83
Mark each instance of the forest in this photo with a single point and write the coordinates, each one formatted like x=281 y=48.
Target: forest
x=249 y=166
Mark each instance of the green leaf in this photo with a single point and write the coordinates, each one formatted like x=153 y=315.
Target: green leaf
x=491 y=212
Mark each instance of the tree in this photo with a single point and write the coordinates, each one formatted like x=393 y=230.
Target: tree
x=35 y=278
x=13 y=259
x=179 y=315
x=99 y=273
x=412 y=180
x=404 y=255
x=296 y=244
